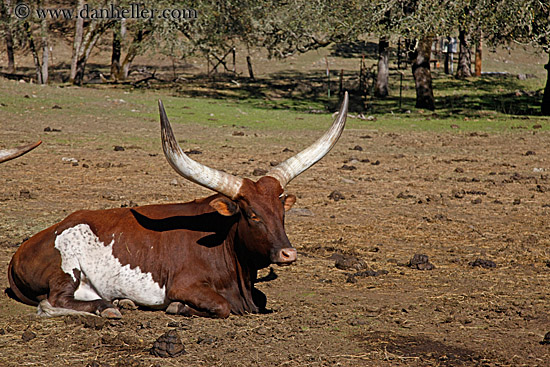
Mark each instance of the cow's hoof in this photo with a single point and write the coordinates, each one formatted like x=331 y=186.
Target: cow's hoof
x=111 y=313
x=175 y=308
x=125 y=303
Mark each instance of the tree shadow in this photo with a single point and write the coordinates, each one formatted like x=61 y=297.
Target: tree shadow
x=354 y=49
x=308 y=91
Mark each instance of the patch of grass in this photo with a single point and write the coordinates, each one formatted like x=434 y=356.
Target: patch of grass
x=470 y=105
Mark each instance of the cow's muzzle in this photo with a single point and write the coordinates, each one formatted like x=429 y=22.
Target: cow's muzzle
x=284 y=256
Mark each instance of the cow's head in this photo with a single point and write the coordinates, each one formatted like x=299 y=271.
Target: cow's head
x=7 y=154
x=260 y=205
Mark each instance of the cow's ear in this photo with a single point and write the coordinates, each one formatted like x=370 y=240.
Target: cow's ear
x=288 y=201
x=225 y=206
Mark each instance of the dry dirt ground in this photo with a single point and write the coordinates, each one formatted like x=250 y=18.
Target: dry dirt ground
x=454 y=196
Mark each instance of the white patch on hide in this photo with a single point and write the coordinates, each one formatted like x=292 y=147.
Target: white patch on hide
x=102 y=274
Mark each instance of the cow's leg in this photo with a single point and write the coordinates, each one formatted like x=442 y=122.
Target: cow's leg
x=61 y=300
x=198 y=301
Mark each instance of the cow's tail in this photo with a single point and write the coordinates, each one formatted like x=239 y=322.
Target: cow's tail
x=15 y=285
x=45 y=309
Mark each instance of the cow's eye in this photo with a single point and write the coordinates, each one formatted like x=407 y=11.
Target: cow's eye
x=254 y=217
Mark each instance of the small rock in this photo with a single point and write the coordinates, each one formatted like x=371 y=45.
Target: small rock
x=192 y=151
x=530 y=152
x=168 y=345
x=69 y=160
x=420 y=262
x=273 y=163
x=546 y=340
x=357 y=147
x=486 y=264
x=238 y=133
x=336 y=196
x=345 y=167
x=376 y=163
x=118 y=148
x=346 y=180
x=56 y=107
x=25 y=194
x=517 y=202
x=259 y=172
x=403 y=195
x=49 y=129
x=459 y=170
x=261 y=330
x=206 y=339
x=174 y=182
x=28 y=335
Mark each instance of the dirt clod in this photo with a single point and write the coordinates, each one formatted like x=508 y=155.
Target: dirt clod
x=28 y=335
x=168 y=345
x=206 y=339
x=25 y=194
x=336 y=196
x=259 y=172
x=420 y=262
x=484 y=263
x=346 y=167
x=346 y=262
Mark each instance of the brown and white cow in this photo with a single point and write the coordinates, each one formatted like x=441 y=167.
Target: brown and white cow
x=7 y=154
x=197 y=258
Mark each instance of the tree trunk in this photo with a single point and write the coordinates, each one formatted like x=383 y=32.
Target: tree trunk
x=381 y=88
x=422 y=74
x=77 y=42
x=133 y=51
x=5 y=14
x=119 y=32
x=45 y=50
x=464 y=68
x=249 y=64
x=545 y=107
x=479 y=54
x=89 y=40
x=115 y=54
x=34 y=52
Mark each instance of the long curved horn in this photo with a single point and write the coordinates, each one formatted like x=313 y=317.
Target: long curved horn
x=297 y=164
x=219 y=181
x=7 y=154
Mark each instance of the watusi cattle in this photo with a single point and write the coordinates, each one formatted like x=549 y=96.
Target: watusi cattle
x=197 y=258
